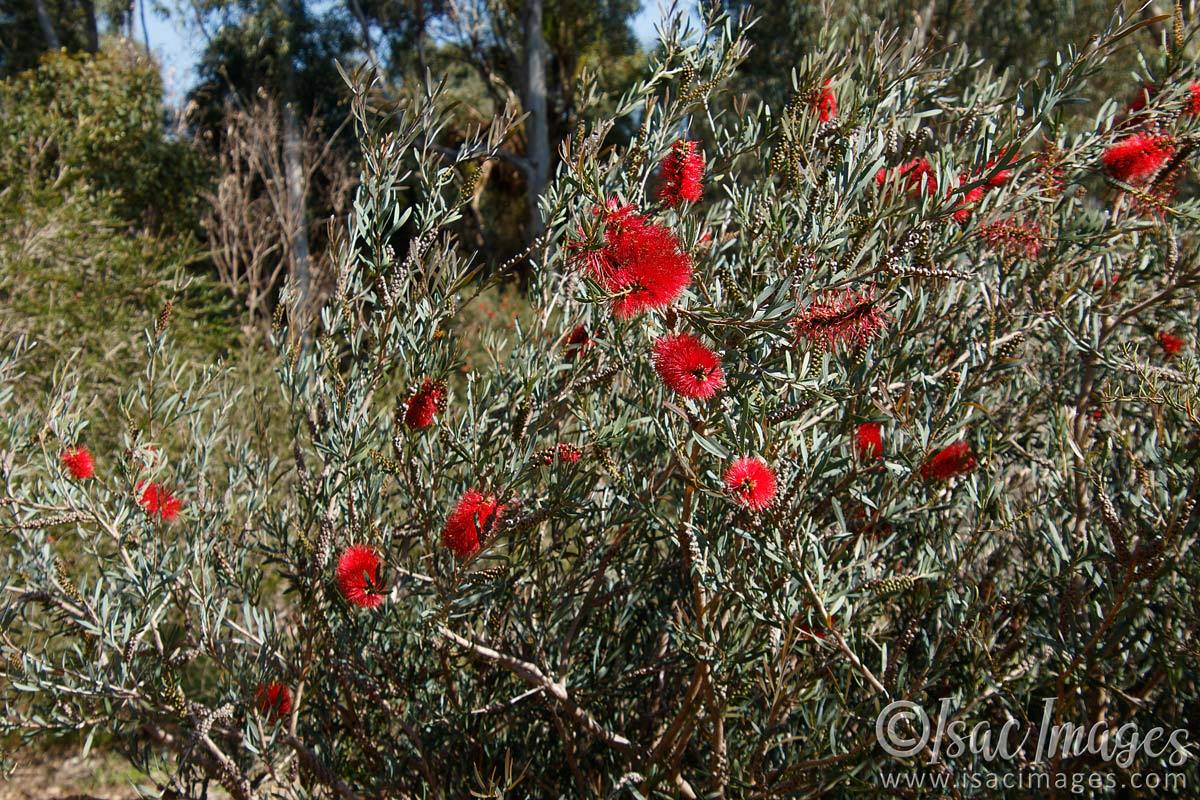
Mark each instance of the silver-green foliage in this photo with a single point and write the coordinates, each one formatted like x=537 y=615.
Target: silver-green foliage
x=628 y=630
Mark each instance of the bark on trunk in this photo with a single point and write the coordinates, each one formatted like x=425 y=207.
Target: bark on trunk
x=293 y=165
x=145 y=30
x=364 y=28
x=537 y=125
x=422 y=23
x=48 y=31
x=90 y=26
x=293 y=169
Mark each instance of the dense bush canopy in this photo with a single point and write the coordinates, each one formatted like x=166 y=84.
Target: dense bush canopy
x=884 y=392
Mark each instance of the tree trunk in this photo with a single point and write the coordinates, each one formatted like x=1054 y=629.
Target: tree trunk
x=89 y=20
x=293 y=165
x=537 y=124
x=364 y=28
x=294 y=175
x=422 y=23
x=145 y=30
x=47 y=25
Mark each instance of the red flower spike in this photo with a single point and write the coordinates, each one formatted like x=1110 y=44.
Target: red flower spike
x=1170 y=343
x=475 y=516
x=1003 y=176
x=825 y=103
x=841 y=316
x=641 y=263
x=79 y=463
x=566 y=454
x=157 y=501
x=687 y=367
x=425 y=403
x=952 y=460
x=1141 y=99
x=1014 y=238
x=919 y=177
x=868 y=441
x=968 y=201
x=751 y=483
x=274 y=700
x=578 y=341
x=1138 y=157
x=682 y=174
x=1192 y=103
x=358 y=576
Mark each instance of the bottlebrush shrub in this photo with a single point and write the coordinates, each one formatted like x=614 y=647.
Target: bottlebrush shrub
x=566 y=581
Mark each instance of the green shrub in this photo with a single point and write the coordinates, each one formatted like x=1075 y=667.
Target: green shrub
x=951 y=322
x=97 y=123
x=82 y=288
x=97 y=228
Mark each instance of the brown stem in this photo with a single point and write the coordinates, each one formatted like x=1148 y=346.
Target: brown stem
x=535 y=677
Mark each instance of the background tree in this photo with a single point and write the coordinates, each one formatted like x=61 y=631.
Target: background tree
x=531 y=54
x=1018 y=35
x=280 y=51
x=100 y=204
x=29 y=28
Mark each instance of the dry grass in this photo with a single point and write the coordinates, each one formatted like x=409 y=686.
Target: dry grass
x=61 y=773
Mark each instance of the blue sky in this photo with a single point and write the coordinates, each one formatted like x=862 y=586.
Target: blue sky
x=177 y=45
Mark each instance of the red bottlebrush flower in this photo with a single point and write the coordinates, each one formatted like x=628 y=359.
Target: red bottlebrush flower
x=952 y=460
x=1014 y=238
x=1155 y=201
x=1170 y=343
x=1192 y=104
x=1098 y=284
x=157 y=500
x=751 y=482
x=358 y=576
x=475 y=516
x=577 y=342
x=841 y=316
x=425 y=404
x=640 y=262
x=824 y=103
x=1003 y=176
x=682 y=174
x=687 y=367
x=566 y=454
x=79 y=463
x=274 y=700
x=993 y=180
x=1139 y=102
x=919 y=177
x=968 y=201
x=868 y=440
x=1136 y=158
